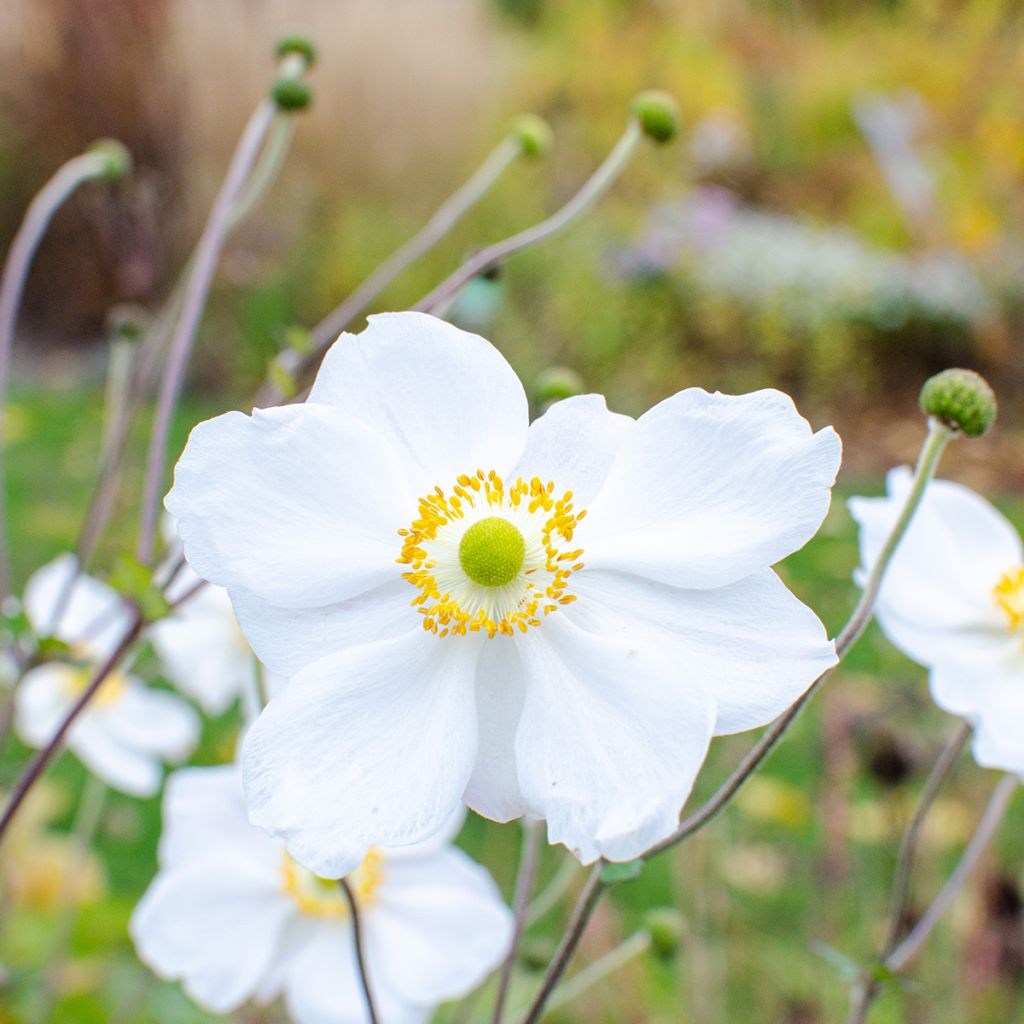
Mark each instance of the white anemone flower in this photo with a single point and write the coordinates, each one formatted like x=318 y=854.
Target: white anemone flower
x=234 y=917
x=127 y=729
x=547 y=619
x=200 y=644
x=952 y=600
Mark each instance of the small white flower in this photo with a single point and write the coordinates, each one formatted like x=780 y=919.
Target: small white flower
x=127 y=729
x=549 y=619
x=235 y=918
x=953 y=601
x=200 y=644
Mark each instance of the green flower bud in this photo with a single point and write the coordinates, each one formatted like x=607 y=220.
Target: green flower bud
x=127 y=322
x=556 y=383
x=291 y=94
x=962 y=399
x=666 y=927
x=114 y=158
x=658 y=114
x=533 y=134
x=297 y=44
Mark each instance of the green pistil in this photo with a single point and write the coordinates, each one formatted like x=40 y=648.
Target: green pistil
x=491 y=552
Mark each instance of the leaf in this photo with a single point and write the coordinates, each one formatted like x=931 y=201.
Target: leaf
x=135 y=581
x=625 y=872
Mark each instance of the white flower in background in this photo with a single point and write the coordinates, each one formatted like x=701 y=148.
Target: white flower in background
x=127 y=729
x=200 y=644
x=547 y=620
x=953 y=601
x=235 y=918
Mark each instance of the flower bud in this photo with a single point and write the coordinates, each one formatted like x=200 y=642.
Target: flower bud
x=556 y=383
x=127 y=322
x=962 y=399
x=299 y=45
x=658 y=114
x=114 y=158
x=533 y=134
x=291 y=94
x=666 y=927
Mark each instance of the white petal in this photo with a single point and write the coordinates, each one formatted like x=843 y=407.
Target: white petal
x=322 y=984
x=610 y=739
x=707 y=489
x=372 y=746
x=999 y=731
x=42 y=700
x=92 y=615
x=493 y=790
x=150 y=721
x=298 y=504
x=941 y=577
x=438 y=927
x=202 y=650
x=288 y=639
x=216 y=930
x=125 y=768
x=752 y=645
x=573 y=445
x=445 y=398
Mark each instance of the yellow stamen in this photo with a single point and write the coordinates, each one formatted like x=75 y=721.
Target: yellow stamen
x=1008 y=593
x=322 y=897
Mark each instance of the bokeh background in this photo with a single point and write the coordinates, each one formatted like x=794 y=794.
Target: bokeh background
x=842 y=215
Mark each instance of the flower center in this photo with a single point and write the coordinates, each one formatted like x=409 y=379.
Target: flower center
x=492 y=551
x=76 y=678
x=484 y=558
x=322 y=897
x=1008 y=593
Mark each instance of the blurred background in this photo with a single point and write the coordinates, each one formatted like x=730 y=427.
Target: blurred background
x=842 y=216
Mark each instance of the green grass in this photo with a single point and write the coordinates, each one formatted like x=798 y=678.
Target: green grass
x=789 y=880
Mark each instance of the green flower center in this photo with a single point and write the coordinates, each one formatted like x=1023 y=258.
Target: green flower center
x=492 y=551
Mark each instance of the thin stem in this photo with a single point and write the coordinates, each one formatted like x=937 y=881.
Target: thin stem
x=46 y=754
x=935 y=442
x=594 y=187
x=357 y=935
x=448 y=214
x=266 y=171
x=207 y=256
x=588 y=900
x=40 y=212
x=552 y=892
x=529 y=859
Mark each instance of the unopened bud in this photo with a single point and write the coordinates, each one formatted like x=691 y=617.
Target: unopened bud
x=291 y=94
x=127 y=322
x=556 y=383
x=114 y=159
x=299 y=45
x=658 y=114
x=533 y=134
x=962 y=399
x=666 y=928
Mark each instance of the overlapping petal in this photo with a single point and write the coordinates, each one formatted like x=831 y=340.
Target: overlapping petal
x=708 y=488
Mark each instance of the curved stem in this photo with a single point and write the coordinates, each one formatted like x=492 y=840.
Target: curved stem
x=265 y=172
x=588 y=900
x=553 y=892
x=593 y=188
x=207 y=256
x=47 y=202
x=528 y=861
x=357 y=935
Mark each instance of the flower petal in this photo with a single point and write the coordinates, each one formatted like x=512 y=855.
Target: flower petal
x=610 y=739
x=42 y=700
x=125 y=768
x=372 y=746
x=288 y=639
x=445 y=399
x=216 y=930
x=707 y=489
x=150 y=721
x=438 y=927
x=299 y=505
x=574 y=444
x=753 y=646
x=998 y=732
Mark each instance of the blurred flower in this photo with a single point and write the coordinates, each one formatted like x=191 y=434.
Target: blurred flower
x=127 y=728
x=234 y=917
x=719 y=142
x=953 y=600
x=496 y=642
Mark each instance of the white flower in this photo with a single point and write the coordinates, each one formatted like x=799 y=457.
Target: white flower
x=127 y=729
x=953 y=601
x=200 y=644
x=548 y=619
x=235 y=918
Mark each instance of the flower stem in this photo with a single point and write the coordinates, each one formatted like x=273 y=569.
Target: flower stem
x=47 y=202
x=593 y=188
x=553 y=892
x=529 y=858
x=357 y=934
